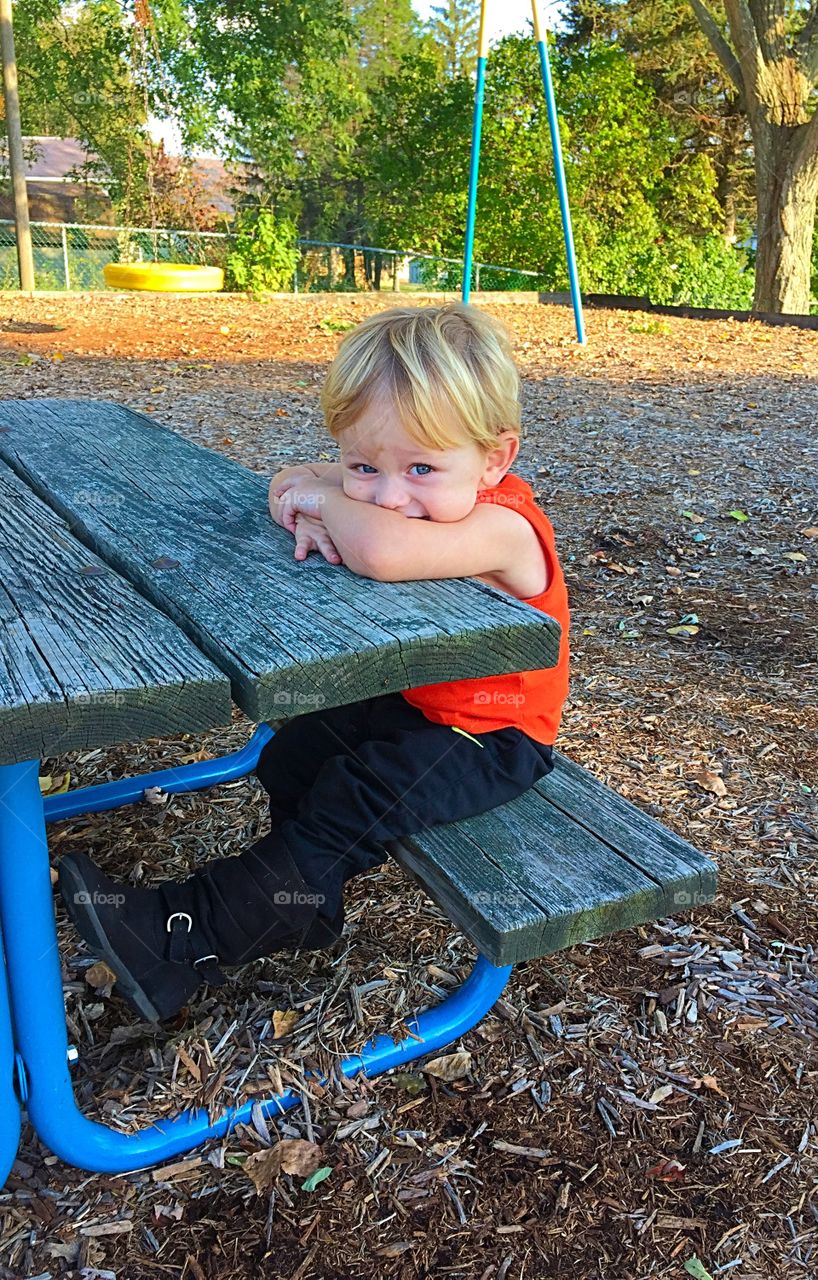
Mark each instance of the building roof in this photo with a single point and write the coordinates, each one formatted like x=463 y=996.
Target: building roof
x=54 y=159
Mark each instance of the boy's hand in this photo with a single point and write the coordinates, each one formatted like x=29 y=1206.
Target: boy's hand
x=283 y=482
x=311 y=535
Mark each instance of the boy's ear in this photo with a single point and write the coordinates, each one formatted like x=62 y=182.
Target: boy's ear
x=500 y=458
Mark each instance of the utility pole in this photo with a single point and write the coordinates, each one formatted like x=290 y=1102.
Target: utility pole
x=25 y=260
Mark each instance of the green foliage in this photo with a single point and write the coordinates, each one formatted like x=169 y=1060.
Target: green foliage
x=264 y=254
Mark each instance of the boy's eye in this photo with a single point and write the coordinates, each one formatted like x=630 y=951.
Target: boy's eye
x=365 y=468
x=422 y=468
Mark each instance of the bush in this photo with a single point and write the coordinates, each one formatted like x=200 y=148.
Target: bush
x=264 y=253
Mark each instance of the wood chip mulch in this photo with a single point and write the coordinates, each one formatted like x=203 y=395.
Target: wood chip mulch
x=642 y=1107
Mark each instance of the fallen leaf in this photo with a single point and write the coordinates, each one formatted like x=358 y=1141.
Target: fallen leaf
x=283 y=1022
x=692 y=516
x=687 y=629
x=667 y=1171
x=194 y=757
x=452 y=1066
x=812 y=532
x=314 y=1178
x=155 y=795
x=101 y=978
x=708 y=1082
x=659 y=1095
x=54 y=786
x=291 y=1155
x=741 y=516
x=694 y=1268
x=712 y=782
x=794 y=555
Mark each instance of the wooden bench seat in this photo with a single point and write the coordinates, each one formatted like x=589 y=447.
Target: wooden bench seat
x=567 y=862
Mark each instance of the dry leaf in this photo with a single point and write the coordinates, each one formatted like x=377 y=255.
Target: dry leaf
x=667 y=1171
x=155 y=795
x=299 y=1157
x=263 y=1167
x=292 y=1155
x=452 y=1066
x=685 y=629
x=194 y=757
x=712 y=782
x=101 y=978
x=54 y=786
x=708 y=1082
x=659 y=1095
x=794 y=555
x=283 y=1022
x=812 y=532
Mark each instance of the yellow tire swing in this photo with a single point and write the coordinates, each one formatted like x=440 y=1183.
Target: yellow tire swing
x=157 y=277
x=163 y=277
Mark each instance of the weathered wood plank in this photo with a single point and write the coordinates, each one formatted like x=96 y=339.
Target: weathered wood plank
x=190 y=529
x=646 y=843
x=84 y=660
x=529 y=878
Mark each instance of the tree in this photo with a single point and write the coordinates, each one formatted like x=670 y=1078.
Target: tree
x=770 y=54
x=697 y=100
x=454 y=30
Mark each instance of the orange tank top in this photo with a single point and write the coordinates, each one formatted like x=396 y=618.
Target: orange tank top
x=529 y=700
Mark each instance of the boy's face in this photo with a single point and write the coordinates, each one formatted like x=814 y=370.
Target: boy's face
x=383 y=464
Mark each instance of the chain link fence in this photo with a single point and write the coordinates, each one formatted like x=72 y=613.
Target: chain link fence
x=71 y=255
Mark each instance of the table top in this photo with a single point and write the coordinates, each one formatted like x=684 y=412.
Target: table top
x=136 y=563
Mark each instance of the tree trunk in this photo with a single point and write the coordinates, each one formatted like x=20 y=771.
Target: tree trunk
x=786 y=196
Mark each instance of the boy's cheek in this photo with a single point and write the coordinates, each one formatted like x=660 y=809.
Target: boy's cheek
x=356 y=490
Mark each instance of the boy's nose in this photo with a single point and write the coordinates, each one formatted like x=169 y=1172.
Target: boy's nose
x=391 y=495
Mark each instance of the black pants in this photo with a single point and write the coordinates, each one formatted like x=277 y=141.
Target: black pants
x=343 y=781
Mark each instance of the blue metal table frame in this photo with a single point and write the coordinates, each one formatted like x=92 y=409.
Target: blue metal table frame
x=34 y=1049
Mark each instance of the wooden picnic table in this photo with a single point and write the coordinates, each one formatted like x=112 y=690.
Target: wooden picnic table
x=144 y=589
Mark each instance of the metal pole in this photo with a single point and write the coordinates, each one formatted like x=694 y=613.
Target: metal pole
x=394 y=273
x=559 y=171
x=474 y=166
x=25 y=258
x=65 y=258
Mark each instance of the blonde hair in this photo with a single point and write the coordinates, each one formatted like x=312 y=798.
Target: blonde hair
x=448 y=371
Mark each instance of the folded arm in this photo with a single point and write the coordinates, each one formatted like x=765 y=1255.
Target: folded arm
x=390 y=547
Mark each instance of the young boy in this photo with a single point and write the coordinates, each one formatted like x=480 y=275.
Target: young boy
x=424 y=405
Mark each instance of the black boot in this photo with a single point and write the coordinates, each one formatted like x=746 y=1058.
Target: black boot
x=163 y=943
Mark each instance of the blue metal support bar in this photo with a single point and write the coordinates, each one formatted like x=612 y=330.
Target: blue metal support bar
x=36 y=996
x=559 y=171
x=186 y=777
x=9 y=1106
x=474 y=164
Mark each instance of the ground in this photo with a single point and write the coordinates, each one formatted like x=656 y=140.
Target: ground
x=631 y=1107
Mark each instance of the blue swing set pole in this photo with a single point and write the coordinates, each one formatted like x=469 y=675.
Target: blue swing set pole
x=474 y=167
x=559 y=170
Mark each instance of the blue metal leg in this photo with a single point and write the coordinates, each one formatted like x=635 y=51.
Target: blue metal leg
x=9 y=1106
x=27 y=917
x=186 y=777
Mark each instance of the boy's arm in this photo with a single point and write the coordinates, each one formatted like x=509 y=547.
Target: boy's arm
x=389 y=547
